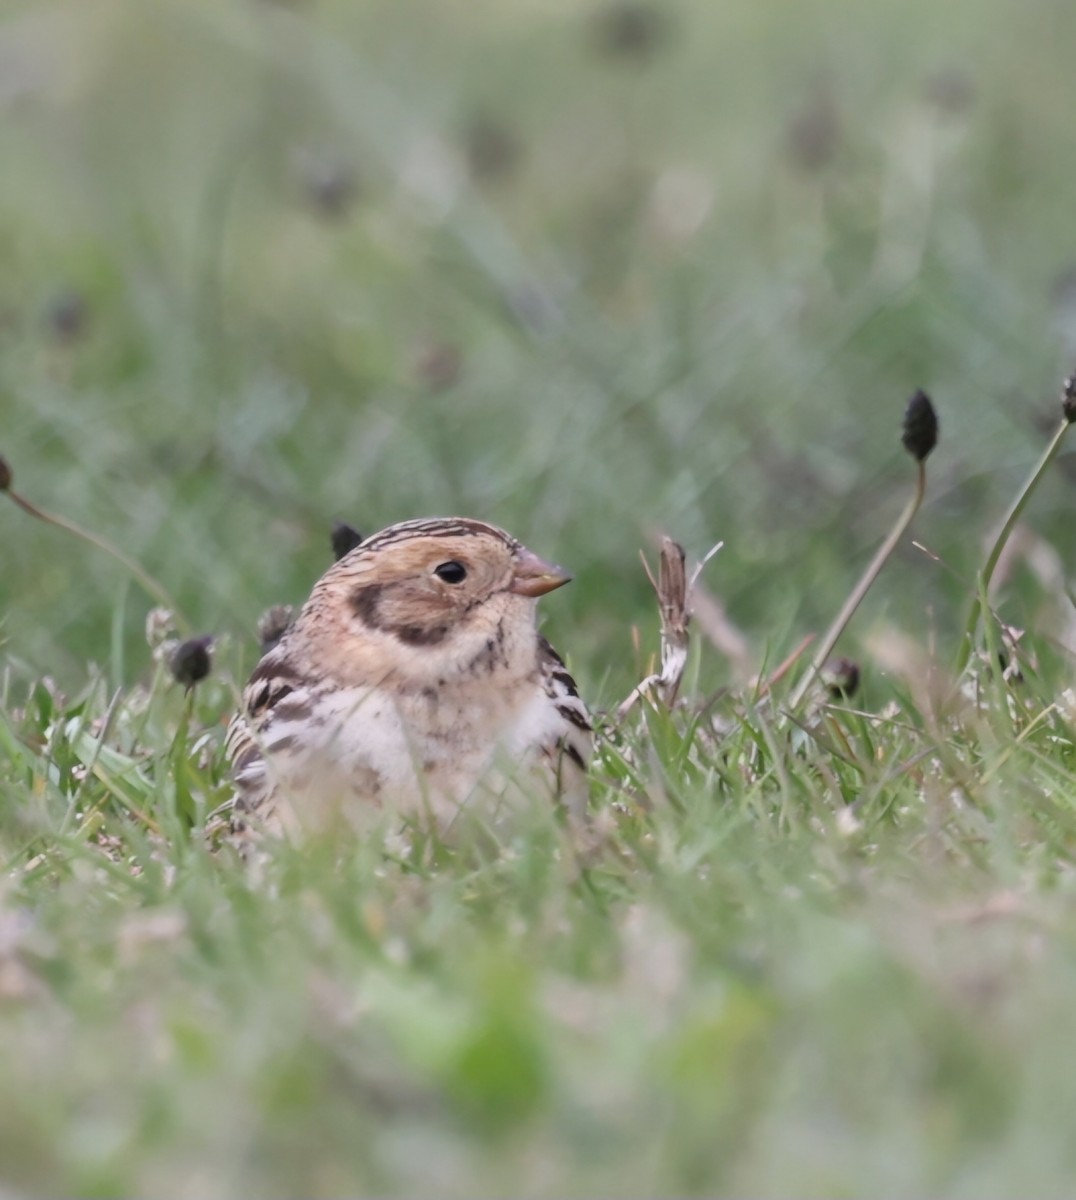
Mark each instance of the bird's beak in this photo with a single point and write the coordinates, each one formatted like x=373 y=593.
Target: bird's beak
x=533 y=576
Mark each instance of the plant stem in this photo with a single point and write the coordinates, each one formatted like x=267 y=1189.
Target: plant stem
x=1019 y=504
x=149 y=584
x=868 y=577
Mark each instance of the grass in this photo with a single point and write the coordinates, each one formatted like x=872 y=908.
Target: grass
x=594 y=276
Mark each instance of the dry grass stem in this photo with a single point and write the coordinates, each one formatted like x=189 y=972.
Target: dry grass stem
x=150 y=585
x=919 y=437
x=967 y=642
x=672 y=591
x=860 y=590
x=709 y=614
x=762 y=686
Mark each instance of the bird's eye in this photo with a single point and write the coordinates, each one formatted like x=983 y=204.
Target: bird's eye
x=451 y=572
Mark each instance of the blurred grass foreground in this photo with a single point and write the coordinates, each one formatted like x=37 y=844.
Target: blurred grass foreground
x=594 y=271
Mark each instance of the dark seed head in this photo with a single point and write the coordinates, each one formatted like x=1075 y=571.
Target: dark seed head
x=841 y=678
x=6 y=475
x=438 y=365
x=492 y=149
x=344 y=539
x=66 y=316
x=273 y=624
x=813 y=134
x=190 y=661
x=1068 y=398
x=950 y=91
x=630 y=29
x=330 y=185
x=920 y=426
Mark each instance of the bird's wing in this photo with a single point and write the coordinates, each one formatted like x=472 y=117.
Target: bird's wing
x=571 y=753
x=276 y=702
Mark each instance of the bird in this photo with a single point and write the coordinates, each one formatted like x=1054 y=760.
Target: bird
x=412 y=681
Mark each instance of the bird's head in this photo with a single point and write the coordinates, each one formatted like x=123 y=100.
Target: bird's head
x=438 y=597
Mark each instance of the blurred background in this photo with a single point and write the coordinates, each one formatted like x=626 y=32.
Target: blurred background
x=589 y=269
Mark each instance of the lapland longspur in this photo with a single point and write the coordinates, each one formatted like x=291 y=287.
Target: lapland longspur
x=413 y=679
